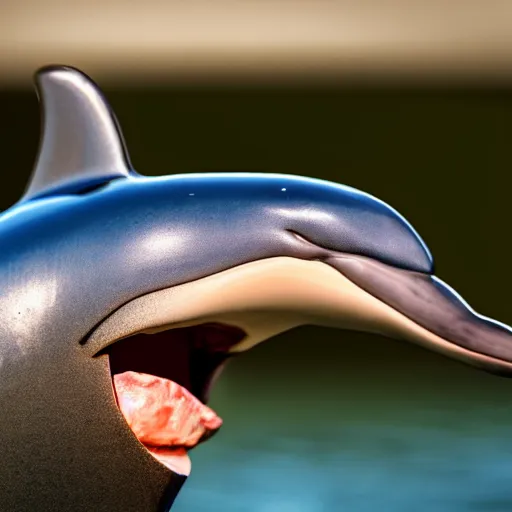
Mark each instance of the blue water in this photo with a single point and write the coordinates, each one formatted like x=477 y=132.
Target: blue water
x=423 y=438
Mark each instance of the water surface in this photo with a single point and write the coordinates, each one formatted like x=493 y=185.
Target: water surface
x=360 y=425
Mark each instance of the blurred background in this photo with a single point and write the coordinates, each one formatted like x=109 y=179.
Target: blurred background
x=410 y=101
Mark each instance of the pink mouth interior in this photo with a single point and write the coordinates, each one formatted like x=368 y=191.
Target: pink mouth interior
x=162 y=382
x=164 y=416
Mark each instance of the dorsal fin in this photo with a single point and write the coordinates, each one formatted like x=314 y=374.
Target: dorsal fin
x=81 y=142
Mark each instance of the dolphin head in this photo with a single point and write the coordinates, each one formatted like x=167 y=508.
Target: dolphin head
x=108 y=274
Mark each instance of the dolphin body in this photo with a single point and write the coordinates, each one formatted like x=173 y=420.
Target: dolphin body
x=95 y=255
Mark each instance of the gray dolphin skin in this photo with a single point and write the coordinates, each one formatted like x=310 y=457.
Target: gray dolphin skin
x=105 y=271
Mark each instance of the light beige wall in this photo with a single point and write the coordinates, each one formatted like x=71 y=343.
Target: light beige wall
x=259 y=39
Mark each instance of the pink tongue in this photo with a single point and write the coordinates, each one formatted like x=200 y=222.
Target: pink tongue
x=163 y=415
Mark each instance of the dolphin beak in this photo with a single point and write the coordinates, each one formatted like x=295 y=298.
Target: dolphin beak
x=443 y=320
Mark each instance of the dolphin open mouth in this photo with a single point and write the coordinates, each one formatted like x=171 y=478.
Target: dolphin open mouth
x=166 y=347
x=162 y=383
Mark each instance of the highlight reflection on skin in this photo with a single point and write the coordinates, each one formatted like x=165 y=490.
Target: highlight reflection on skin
x=30 y=299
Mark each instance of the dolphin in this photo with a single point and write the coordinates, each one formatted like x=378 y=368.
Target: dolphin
x=105 y=271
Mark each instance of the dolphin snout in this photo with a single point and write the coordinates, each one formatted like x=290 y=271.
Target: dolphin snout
x=458 y=331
